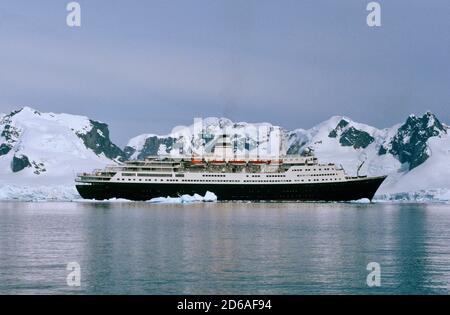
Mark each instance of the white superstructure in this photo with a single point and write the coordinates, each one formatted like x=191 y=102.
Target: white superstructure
x=290 y=169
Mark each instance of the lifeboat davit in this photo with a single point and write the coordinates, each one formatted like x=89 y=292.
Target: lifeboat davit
x=217 y=162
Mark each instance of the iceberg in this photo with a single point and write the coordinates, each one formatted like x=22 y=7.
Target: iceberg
x=209 y=197
x=363 y=200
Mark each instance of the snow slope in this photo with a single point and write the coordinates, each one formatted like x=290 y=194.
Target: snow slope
x=433 y=174
x=42 y=152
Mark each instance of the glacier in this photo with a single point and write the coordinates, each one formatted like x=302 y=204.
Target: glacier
x=430 y=195
x=35 y=193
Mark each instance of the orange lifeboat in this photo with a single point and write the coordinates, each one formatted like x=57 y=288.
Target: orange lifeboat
x=238 y=162
x=197 y=162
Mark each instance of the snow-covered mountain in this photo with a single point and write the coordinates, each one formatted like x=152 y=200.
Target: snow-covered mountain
x=200 y=138
x=419 y=145
x=414 y=154
x=40 y=153
x=47 y=149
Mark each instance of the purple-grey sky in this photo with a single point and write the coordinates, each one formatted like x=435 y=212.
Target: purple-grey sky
x=146 y=66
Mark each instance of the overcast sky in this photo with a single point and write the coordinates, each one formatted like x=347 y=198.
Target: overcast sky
x=144 y=66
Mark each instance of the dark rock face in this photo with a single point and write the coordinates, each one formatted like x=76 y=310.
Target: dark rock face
x=10 y=133
x=350 y=136
x=128 y=151
x=18 y=163
x=410 y=143
x=296 y=144
x=4 y=149
x=97 y=139
x=295 y=148
x=356 y=138
x=151 y=147
x=340 y=126
x=382 y=150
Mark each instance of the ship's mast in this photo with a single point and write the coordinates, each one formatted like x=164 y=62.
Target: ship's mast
x=257 y=146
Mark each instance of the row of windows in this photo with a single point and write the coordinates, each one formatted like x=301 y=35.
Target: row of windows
x=314 y=169
x=145 y=180
x=315 y=175
x=218 y=175
x=317 y=180
x=267 y=181
x=96 y=178
x=148 y=168
x=212 y=180
x=155 y=175
x=146 y=175
x=213 y=175
x=229 y=181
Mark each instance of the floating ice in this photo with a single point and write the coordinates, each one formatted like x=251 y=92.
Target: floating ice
x=209 y=197
x=362 y=200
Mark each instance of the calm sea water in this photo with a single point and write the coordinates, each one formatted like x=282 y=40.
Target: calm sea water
x=224 y=248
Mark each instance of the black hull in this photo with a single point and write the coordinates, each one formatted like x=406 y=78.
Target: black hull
x=337 y=191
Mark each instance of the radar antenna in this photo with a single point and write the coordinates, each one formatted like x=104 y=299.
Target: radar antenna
x=309 y=151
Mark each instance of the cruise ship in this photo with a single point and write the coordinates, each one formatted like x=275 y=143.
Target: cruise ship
x=288 y=178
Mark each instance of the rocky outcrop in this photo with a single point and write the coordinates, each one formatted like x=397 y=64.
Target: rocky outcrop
x=97 y=139
x=350 y=136
x=4 y=149
x=19 y=163
x=409 y=145
x=153 y=145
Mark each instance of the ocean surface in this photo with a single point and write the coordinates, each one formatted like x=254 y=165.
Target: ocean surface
x=224 y=248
